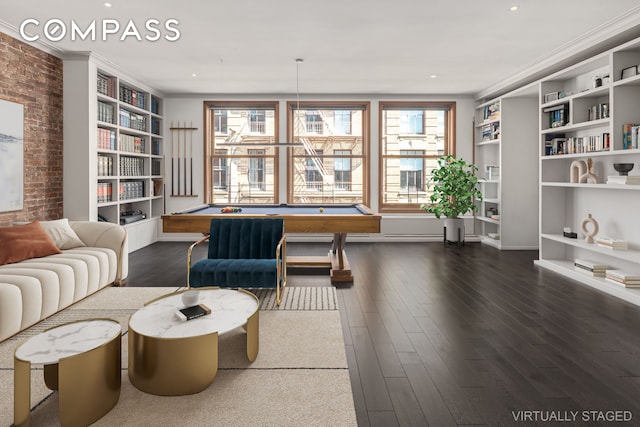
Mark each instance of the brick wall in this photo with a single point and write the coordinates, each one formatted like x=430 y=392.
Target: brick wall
x=33 y=78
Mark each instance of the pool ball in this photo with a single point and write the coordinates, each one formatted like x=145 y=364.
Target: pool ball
x=321 y=210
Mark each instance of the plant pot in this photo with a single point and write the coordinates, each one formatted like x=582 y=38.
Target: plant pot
x=454 y=229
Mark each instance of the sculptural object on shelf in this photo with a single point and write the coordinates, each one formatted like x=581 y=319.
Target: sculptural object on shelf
x=589 y=234
x=578 y=168
x=589 y=175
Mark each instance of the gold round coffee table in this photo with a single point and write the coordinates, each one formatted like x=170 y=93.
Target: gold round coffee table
x=171 y=357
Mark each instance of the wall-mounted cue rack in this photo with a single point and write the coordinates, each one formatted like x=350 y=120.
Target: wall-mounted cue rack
x=182 y=160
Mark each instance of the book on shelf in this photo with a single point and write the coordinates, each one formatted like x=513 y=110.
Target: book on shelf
x=611 y=243
x=590 y=267
x=624 y=278
x=624 y=179
x=630 y=136
x=495 y=236
x=495 y=217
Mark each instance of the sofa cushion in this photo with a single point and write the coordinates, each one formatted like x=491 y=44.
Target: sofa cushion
x=62 y=234
x=22 y=242
x=10 y=310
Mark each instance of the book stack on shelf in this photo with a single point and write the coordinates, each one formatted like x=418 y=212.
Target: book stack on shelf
x=494 y=236
x=491 y=112
x=105 y=112
x=615 y=244
x=106 y=139
x=558 y=115
x=106 y=85
x=620 y=277
x=590 y=267
x=105 y=191
x=133 y=97
x=105 y=165
x=131 y=144
x=624 y=179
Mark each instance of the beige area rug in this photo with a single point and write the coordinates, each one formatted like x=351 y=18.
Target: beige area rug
x=299 y=378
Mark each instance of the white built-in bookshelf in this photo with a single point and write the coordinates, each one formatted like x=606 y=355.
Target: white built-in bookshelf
x=505 y=145
x=583 y=111
x=113 y=150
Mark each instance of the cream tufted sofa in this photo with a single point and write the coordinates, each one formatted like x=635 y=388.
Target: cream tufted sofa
x=34 y=289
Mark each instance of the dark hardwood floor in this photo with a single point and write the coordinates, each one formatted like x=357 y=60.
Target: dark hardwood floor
x=466 y=335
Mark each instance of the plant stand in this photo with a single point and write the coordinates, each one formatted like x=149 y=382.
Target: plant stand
x=460 y=237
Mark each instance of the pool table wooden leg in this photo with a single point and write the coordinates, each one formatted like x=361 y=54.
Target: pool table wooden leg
x=340 y=268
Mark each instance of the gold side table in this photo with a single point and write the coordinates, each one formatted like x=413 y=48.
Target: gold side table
x=82 y=360
x=170 y=357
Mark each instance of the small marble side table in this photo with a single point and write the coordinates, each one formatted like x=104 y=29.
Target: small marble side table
x=82 y=360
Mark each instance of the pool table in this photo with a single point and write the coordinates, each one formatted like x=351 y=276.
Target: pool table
x=335 y=219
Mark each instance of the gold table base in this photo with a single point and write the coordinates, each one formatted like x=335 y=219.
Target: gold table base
x=88 y=385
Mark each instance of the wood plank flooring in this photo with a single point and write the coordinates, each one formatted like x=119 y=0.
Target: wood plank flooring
x=465 y=335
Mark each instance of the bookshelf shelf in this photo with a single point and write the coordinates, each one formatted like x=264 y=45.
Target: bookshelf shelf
x=111 y=156
x=613 y=206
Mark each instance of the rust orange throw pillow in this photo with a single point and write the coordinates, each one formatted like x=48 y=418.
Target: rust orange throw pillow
x=22 y=242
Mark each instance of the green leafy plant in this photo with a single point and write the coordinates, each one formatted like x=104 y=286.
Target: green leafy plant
x=454 y=188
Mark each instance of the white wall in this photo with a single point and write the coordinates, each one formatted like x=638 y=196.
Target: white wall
x=395 y=227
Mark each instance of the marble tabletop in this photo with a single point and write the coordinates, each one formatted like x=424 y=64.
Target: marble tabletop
x=229 y=310
x=67 y=340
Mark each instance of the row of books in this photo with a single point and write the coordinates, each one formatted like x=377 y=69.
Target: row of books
x=105 y=165
x=598 y=111
x=617 y=276
x=558 y=115
x=155 y=126
x=133 y=120
x=630 y=136
x=131 y=166
x=131 y=144
x=133 y=97
x=490 y=131
x=105 y=192
x=127 y=190
x=574 y=145
x=106 y=139
x=156 y=167
x=155 y=105
x=491 y=112
x=106 y=112
x=106 y=85
x=624 y=179
x=131 y=190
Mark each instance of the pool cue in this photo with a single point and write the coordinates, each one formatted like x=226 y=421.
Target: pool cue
x=179 y=158
x=172 y=159
x=185 y=157
x=191 y=159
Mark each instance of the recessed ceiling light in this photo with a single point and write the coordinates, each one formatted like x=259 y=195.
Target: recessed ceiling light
x=432 y=76
x=514 y=8
x=107 y=5
x=193 y=75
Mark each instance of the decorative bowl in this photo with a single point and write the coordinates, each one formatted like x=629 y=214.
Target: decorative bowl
x=190 y=298
x=623 y=168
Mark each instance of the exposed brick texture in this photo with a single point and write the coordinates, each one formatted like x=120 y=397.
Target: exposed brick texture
x=33 y=78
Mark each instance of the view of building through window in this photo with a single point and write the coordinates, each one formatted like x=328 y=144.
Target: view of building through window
x=241 y=158
x=412 y=138
x=330 y=164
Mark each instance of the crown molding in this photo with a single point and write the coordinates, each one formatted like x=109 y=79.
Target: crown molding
x=601 y=38
x=44 y=46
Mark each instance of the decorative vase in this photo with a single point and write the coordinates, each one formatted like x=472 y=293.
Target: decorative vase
x=589 y=234
x=190 y=297
x=454 y=229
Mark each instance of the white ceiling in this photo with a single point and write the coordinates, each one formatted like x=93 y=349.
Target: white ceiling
x=348 y=46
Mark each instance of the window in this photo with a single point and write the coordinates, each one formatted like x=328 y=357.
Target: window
x=330 y=164
x=342 y=122
x=413 y=135
x=256 y=169
x=220 y=170
x=240 y=152
x=256 y=121
x=411 y=170
x=313 y=173
x=342 y=170
x=314 y=122
x=220 y=121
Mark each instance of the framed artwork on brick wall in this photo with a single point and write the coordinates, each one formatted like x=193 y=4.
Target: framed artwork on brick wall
x=11 y=156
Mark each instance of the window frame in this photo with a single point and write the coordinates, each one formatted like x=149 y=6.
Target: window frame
x=365 y=107
x=449 y=108
x=208 y=142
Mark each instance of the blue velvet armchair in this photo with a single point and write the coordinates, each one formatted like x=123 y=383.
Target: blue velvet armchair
x=242 y=253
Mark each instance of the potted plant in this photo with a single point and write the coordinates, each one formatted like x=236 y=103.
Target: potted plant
x=454 y=192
